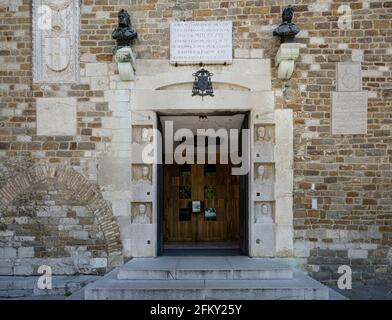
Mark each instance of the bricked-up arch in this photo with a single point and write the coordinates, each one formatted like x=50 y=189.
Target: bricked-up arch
x=82 y=189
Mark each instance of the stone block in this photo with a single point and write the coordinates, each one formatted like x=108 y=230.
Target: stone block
x=143 y=118
x=357 y=254
x=115 y=260
x=97 y=263
x=257 y=53
x=23 y=270
x=264 y=152
x=284 y=154
x=115 y=123
x=80 y=235
x=124 y=223
x=96 y=69
x=117 y=95
x=301 y=249
x=142 y=154
x=357 y=55
x=99 y=83
x=242 y=53
x=174 y=99
x=316 y=40
x=8 y=252
x=5 y=271
x=284 y=210
x=56 y=116
x=263 y=192
x=120 y=208
x=114 y=173
x=349 y=76
x=368 y=246
x=26 y=252
x=284 y=240
x=349 y=112
x=142 y=192
x=118 y=146
x=262 y=240
x=120 y=106
x=143 y=242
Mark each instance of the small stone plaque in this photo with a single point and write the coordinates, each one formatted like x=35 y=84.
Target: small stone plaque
x=349 y=112
x=56 y=116
x=208 y=42
x=349 y=77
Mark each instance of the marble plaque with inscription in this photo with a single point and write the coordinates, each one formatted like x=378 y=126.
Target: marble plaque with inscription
x=209 y=42
x=349 y=76
x=349 y=112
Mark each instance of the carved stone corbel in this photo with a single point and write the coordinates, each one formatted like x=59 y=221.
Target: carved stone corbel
x=285 y=60
x=126 y=63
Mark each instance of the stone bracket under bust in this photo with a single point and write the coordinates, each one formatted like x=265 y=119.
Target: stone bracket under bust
x=56 y=41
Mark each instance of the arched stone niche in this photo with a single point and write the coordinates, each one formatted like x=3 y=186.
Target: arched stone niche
x=83 y=193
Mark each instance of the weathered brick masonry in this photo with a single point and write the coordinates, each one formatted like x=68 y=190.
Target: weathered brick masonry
x=350 y=175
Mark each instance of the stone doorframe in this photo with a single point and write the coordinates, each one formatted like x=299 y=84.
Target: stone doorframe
x=242 y=86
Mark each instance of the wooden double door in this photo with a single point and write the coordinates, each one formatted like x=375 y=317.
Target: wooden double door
x=201 y=203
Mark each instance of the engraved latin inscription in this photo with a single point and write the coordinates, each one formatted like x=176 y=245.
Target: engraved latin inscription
x=201 y=41
x=349 y=112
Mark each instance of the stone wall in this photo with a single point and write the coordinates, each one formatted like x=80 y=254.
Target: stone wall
x=49 y=226
x=349 y=175
x=53 y=216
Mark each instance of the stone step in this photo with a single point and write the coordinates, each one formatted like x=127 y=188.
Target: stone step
x=204 y=268
x=26 y=286
x=300 y=287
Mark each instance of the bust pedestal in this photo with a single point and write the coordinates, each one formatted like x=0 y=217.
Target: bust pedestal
x=285 y=58
x=126 y=63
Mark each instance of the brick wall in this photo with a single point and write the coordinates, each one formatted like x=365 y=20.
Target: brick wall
x=52 y=229
x=351 y=174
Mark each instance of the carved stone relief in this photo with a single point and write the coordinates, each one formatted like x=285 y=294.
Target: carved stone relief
x=142 y=134
x=264 y=134
x=264 y=143
x=264 y=173
x=56 y=41
x=349 y=76
x=142 y=173
x=264 y=181
x=141 y=213
x=264 y=212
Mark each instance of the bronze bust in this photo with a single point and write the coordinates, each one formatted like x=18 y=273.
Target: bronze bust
x=124 y=33
x=287 y=30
